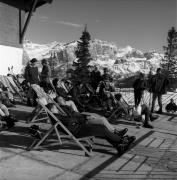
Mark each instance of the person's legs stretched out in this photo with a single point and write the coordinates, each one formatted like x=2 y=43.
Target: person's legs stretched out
x=107 y=131
x=104 y=129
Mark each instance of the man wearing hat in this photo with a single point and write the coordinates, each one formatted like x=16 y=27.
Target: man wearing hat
x=32 y=77
x=45 y=75
x=158 y=86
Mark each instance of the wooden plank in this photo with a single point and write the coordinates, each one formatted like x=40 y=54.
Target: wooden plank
x=163 y=135
x=119 y=163
x=166 y=144
x=144 y=168
x=119 y=176
x=134 y=164
x=146 y=141
x=156 y=143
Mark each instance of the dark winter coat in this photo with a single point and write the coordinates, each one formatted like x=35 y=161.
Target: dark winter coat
x=105 y=77
x=105 y=86
x=46 y=73
x=139 y=85
x=26 y=73
x=95 y=79
x=32 y=75
x=61 y=92
x=158 y=84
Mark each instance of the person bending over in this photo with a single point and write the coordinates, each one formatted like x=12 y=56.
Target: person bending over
x=141 y=110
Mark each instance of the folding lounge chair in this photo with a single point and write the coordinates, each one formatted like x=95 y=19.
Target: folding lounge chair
x=68 y=134
x=41 y=111
x=38 y=111
x=123 y=107
x=36 y=115
x=88 y=139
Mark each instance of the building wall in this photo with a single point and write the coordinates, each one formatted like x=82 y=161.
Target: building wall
x=10 y=48
x=9 y=25
x=10 y=57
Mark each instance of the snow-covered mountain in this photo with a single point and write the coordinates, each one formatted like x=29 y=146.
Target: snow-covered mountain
x=126 y=60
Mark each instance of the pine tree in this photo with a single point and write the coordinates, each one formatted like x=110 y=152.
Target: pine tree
x=169 y=62
x=81 y=72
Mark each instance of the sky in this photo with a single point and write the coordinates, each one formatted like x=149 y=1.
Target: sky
x=142 y=24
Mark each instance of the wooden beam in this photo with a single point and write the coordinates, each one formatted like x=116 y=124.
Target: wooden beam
x=22 y=34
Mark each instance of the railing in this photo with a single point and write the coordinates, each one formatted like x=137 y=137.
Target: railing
x=128 y=95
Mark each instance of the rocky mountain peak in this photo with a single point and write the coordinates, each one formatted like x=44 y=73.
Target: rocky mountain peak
x=104 y=54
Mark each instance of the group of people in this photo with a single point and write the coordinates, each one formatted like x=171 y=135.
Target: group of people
x=156 y=84
x=82 y=123
x=89 y=122
x=33 y=76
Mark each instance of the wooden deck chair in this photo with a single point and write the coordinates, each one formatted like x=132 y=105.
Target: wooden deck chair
x=39 y=111
x=10 y=82
x=68 y=134
x=124 y=107
x=36 y=115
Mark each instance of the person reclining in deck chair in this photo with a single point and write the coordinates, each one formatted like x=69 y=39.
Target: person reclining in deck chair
x=107 y=93
x=110 y=133
x=63 y=98
x=58 y=99
x=6 y=96
x=39 y=91
x=91 y=124
x=5 y=116
x=45 y=100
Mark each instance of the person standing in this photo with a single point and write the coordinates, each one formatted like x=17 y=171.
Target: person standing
x=45 y=76
x=139 y=86
x=32 y=77
x=95 y=78
x=33 y=72
x=158 y=87
x=105 y=75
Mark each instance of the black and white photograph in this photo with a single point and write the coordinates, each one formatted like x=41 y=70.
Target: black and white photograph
x=88 y=89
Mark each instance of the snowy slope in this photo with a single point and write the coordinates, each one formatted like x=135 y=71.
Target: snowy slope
x=104 y=54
